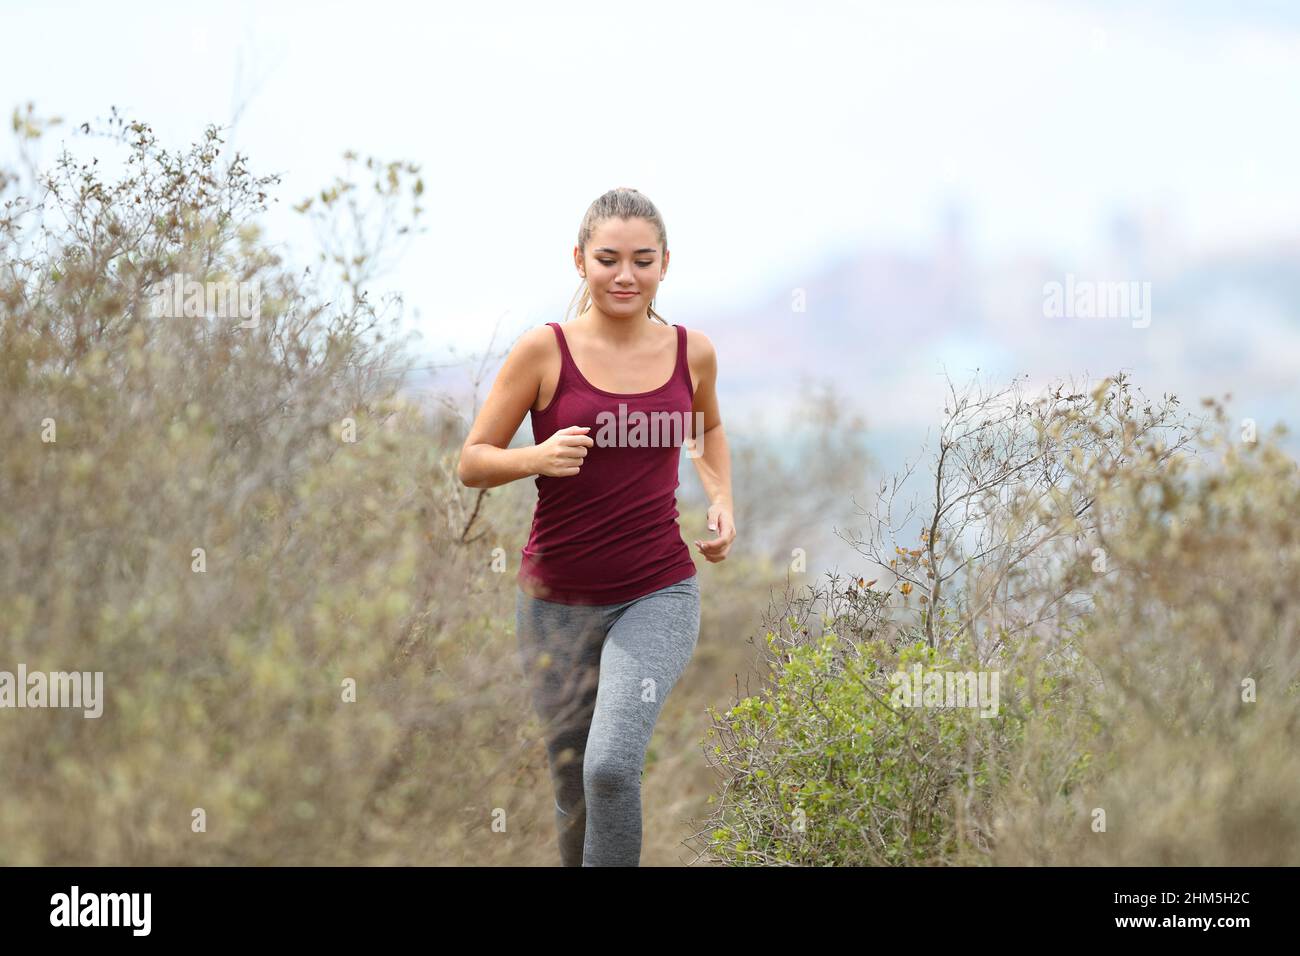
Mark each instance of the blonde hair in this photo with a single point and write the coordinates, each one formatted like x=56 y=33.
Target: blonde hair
x=621 y=203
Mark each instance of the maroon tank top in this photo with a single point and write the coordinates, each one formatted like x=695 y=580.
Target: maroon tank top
x=609 y=533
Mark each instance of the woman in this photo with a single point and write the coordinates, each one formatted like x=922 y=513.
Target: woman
x=608 y=611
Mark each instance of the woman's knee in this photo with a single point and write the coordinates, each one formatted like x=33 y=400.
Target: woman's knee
x=610 y=774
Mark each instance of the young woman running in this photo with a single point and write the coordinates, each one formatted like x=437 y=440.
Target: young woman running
x=608 y=601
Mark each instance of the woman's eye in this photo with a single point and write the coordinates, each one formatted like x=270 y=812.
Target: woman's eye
x=610 y=262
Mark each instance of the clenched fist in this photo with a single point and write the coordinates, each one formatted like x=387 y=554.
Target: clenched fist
x=561 y=455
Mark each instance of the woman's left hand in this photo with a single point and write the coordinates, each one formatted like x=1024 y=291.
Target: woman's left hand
x=719 y=521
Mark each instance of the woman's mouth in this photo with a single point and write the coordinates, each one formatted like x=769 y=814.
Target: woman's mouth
x=623 y=295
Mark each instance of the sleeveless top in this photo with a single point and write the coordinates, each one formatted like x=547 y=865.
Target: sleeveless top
x=609 y=534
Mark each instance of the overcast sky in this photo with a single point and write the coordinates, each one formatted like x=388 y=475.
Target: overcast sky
x=771 y=135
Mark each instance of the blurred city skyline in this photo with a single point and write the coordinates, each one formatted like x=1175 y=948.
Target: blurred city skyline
x=776 y=138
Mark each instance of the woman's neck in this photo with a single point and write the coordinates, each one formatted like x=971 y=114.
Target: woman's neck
x=621 y=330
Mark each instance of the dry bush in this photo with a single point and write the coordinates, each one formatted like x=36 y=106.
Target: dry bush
x=132 y=439
x=820 y=767
x=1194 y=641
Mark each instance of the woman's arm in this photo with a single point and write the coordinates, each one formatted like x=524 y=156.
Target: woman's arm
x=714 y=459
x=485 y=461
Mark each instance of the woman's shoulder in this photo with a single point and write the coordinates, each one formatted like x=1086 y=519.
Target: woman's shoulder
x=699 y=349
x=540 y=339
x=534 y=348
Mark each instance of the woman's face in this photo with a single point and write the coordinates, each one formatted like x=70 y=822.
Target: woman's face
x=623 y=256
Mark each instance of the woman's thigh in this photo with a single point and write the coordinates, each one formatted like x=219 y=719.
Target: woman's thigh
x=645 y=652
x=559 y=654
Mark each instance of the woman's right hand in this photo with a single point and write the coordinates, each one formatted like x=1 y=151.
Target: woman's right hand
x=561 y=455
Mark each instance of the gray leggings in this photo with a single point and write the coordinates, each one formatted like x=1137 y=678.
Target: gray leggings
x=610 y=668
